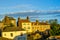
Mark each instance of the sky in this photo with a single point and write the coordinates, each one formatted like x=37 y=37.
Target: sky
x=11 y=6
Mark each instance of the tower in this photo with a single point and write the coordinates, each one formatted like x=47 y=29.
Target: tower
x=18 y=23
x=27 y=18
x=7 y=20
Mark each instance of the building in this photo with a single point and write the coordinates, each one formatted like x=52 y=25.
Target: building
x=12 y=32
x=20 y=21
x=41 y=26
x=1 y=25
x=27 y=26
x=9 y=21
x=57 y=37
x=33 y=26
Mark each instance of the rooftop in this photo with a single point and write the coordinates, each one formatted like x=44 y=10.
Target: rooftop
x=24 y=20
x=10 y=18
x=8 y=29
x=39 y=23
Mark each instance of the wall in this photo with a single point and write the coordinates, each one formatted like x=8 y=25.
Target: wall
x=27 y=26
x=15 y=33
x=41 y=28
x=1 y=25
x=13 y=22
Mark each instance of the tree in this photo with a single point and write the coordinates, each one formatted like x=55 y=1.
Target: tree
x=54 y=27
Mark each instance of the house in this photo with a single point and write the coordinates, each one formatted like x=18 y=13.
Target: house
x=1 y=25
x=27 y=26
x=12 y=32
x=41 y=26
x=20 y=21
x=9 y=21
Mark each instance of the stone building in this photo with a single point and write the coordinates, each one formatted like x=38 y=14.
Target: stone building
x=20 y=21
x=1 y=25
x=9 y=21
x=41 y=26
x=27 y=26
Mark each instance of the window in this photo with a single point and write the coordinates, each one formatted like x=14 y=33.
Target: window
x=24 y=24
x=11 y=34
x=24 y=28
x=28 y=24
x=28 y=27
x=4 y=34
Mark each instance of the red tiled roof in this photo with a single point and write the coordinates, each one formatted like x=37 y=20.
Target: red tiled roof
x=24 y=20
x=40 y=23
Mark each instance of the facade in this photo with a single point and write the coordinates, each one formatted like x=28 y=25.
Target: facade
x=33 y=26
x=11 y=33
x=27 y=26
x=9 y=21
x=41 y=26
x=20 y=21
x=1 y=25
x=11 y=29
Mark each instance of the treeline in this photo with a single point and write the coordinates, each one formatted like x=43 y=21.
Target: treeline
x=55 y=27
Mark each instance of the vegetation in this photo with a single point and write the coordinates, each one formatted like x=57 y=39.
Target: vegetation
x=55 y=27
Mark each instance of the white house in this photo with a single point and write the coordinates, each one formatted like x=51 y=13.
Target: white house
x=12 y=32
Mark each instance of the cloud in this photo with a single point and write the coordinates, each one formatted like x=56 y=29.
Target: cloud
x=18 y=8
x=25 y=8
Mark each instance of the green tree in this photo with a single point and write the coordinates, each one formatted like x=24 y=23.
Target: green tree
x=54 y=27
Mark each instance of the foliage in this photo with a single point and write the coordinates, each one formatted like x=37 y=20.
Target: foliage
x=54 y=27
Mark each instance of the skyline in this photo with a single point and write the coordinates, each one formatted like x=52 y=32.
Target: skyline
x=12 y=6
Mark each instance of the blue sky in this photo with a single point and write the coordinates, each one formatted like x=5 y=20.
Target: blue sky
x=10 y=6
